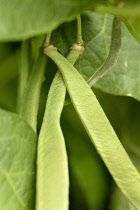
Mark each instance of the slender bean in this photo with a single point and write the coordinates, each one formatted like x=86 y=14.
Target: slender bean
x=99 y=129
x=113 y=52
x=52 y=167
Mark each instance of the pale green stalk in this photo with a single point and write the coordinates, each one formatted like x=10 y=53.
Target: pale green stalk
x=24 y=66
x=99 y=129
x=32 y=92
x=48 y=38
x=52 y=167
x=79 y=30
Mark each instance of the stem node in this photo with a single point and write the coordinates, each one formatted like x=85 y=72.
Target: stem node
x=48 y=48
x=78 y=47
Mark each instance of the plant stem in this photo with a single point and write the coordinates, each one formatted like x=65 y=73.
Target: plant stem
x=32 y=92
x=79 y=30
x=113 y=52
x=48 y=38
x=23 y=73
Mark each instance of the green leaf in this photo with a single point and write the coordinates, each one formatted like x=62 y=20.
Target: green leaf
x=17 y=163
x=24 y=19
x=133 y=26
x=123 y=8
x=123 y=78
x=129 y=11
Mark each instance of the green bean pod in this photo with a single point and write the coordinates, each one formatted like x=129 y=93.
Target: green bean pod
x=52 y=167
x=113 y=55
x=99 y=129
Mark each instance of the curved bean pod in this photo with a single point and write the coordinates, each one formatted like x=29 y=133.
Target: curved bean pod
x=113 y=52
x=52 y=167
x=99 y=129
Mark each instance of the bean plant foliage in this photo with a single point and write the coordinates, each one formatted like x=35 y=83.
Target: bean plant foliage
x=69 y=104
